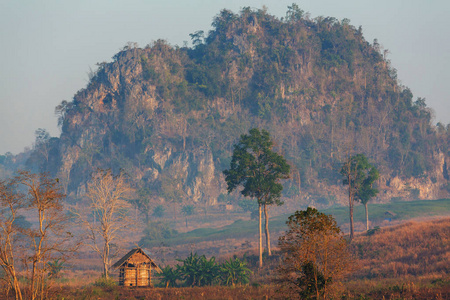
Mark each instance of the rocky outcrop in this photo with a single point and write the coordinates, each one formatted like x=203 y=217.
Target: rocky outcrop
x=169 y=116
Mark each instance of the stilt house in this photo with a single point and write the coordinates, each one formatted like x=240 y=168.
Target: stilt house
x=135 y=268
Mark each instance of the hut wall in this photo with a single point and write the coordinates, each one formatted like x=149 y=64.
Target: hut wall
x=121 y=276
x=130 y=277
x=143 y=275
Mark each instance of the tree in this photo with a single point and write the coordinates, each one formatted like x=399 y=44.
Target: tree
x=367 y=191
x=187 y=210
x=258 y=169
x=169 y=276
x=159 y=211
x=157 y=231
x=294 y=13
x=359 y=175
x=171 y=189
x=106 y=217
x=314 y=255
x=198 y=270
x=235 y=271
x=144 y=202
x=41 y=143
x=11 y=203
x=48 y=239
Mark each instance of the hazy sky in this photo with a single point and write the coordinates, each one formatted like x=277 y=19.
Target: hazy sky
x=48 y=47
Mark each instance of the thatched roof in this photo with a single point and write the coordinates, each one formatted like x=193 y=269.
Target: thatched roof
x=127 y=256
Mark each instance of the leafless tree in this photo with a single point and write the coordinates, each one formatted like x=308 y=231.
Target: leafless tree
x=36 y=244
x=48 y=239
x=106 y=217
x=10 y=205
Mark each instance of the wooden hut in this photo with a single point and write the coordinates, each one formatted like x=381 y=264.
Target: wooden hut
x=135 y=268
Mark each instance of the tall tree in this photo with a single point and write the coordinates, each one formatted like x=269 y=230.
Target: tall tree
x=108 y=194
x=258 y=169
x=367 y=191
x=144 y=201
x=359 y=175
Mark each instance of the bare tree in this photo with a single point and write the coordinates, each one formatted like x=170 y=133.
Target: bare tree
x=49 y=238
x=106 y=217
x=33 y=244
x=10 y=205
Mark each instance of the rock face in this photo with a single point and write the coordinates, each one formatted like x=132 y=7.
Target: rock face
x=169 y=116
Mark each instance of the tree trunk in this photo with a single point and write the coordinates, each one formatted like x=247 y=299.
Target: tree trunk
x=17 y=290
x=105 y=260
x=105 y=271
x=350 y=205
x=33 y=281
x=351 y=221
x=266 y=217
x=367 y=216
x=260 y=237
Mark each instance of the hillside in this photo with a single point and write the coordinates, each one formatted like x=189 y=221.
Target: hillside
x=169 y=116
x=241 y=234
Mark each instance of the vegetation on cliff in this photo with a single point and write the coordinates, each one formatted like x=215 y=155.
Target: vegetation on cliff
x=169 y=116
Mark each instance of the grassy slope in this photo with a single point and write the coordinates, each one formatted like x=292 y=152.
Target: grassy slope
x=407 y=261
x=243 y=229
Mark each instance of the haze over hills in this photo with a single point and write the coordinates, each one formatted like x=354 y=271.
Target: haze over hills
x=169 y=116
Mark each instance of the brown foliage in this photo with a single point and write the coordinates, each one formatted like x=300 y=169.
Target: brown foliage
x=315 y=255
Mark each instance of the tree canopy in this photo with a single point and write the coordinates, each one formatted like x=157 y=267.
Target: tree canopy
x=359 y=175
x=258 y=169
x=315 y=255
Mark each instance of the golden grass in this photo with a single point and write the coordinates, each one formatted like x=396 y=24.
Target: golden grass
x=413 y=248
x=194 y=293
x=406 y=261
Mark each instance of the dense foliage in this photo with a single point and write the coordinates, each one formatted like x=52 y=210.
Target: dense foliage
x=315 y=255
x=197 y=270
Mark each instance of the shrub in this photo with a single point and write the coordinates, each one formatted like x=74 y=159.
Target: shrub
x=157 y=231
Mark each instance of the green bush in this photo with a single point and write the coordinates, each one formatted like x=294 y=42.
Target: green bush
x=157 y=231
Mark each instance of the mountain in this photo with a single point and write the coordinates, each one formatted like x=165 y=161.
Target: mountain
x=169 y=116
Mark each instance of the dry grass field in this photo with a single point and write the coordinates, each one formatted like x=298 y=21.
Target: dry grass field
x=409 y=249
x=410 y=260
x=406 y=261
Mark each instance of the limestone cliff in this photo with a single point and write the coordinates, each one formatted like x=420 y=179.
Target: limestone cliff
x=169 y=116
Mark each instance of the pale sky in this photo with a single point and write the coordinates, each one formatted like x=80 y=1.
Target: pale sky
x=48 y=46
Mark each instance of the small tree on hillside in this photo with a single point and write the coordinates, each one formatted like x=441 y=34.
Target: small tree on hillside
x=258 y=169
x=315 y=255
x=188 y=210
